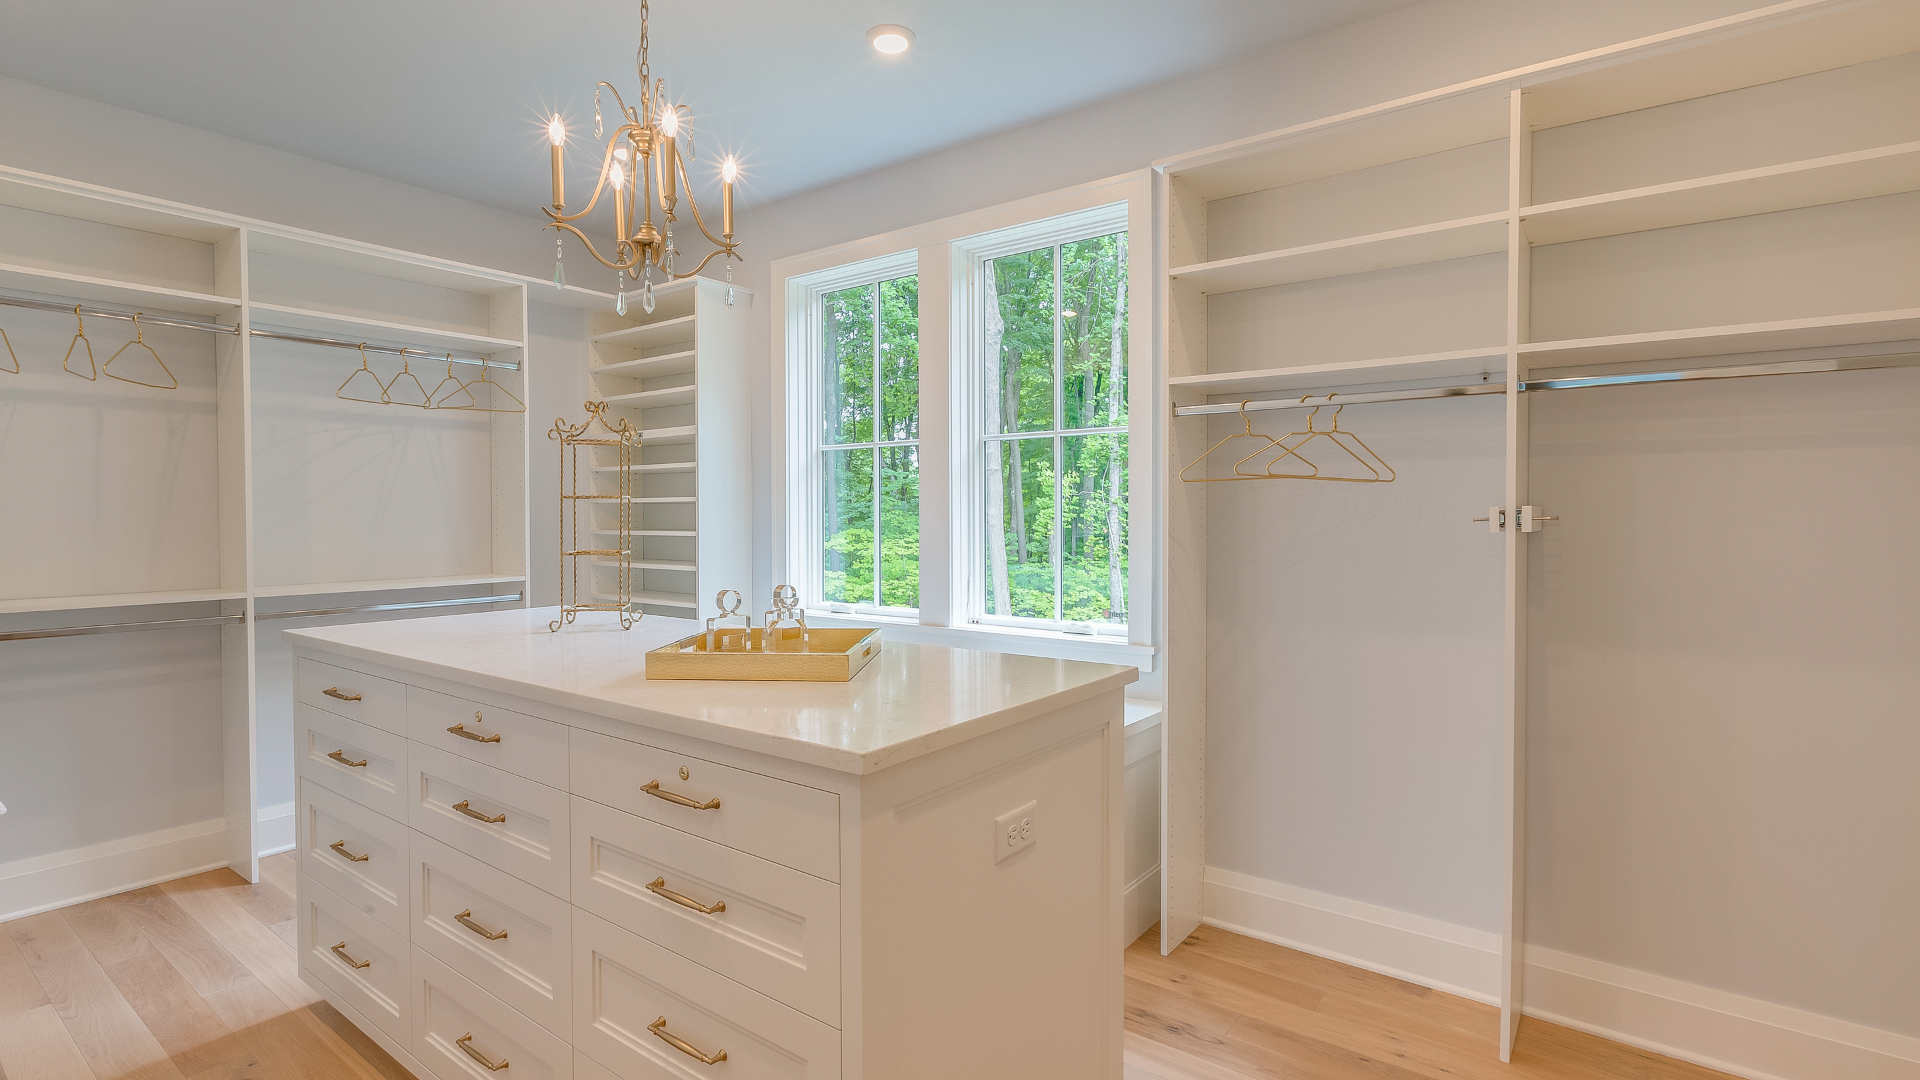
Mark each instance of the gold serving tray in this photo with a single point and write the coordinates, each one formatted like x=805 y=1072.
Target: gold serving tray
x=833 y=655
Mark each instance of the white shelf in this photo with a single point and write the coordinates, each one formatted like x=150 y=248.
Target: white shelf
x=1461 y=238
x=29 y=605
x=647 y=532
x=668 y=436
x=655 y=467
x=649 y=367
x=653 y=399
x=658 y=599
x=1390 y=369
x=650 y=564
x=1861 y=329
x=329 y=588
x=646 y=335
x=354 y=328
x=131 y=294
x=1863 y=174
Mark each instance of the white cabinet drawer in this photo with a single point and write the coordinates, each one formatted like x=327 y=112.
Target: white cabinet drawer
x=357 y=958
x=366 y=698
x=625 y=986
x=363 y=763
x=518 y=743
x=777 y=930
x=512 y=940
x=461 y=1031
x=788 y=823
x=360 y=855
x=501 y=819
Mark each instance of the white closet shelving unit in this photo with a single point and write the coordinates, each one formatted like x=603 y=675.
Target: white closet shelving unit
x=222 y=508
x=678 y=375
x=1507 y=236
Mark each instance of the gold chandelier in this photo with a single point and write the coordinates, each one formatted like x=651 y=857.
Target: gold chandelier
x=644 y=167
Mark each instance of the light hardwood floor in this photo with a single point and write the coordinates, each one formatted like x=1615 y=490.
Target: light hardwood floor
x=196 y=980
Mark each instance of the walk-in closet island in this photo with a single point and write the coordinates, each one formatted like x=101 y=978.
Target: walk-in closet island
x=517 y=851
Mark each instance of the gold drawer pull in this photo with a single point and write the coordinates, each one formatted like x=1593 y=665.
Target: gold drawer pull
x=340 y=951
x=334 y=693
x=465 y=1042
x=342 y=759
x=460 y=729
x=659 y=1027
x=340 y=848
x=652 y=788
x=477 y=815
x=658 y=886
x=465 y=919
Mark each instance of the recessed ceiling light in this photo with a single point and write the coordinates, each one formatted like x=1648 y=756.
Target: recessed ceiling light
x=890 y=38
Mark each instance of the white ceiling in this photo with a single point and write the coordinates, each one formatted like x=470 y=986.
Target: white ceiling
x=451 y=97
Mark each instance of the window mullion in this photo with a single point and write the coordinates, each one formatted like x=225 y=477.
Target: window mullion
x=1059 y=422
x=879 y=414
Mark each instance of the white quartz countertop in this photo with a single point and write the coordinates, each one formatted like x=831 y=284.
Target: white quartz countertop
x=911 y=700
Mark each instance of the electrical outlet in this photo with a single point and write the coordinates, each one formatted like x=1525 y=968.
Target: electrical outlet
x=1015 y=830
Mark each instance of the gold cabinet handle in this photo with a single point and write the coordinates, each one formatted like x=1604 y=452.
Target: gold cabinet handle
x=340 y=951
x=340 y=848
x=335 y=693
x=465 y=1042
x=342 y=759
x=653 y=788
x=460 y=729
x=477 y=815
x=465 y=919
x=659 y=1027
x=658 y=886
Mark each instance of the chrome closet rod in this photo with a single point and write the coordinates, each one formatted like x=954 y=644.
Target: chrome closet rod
x=443 y=355
x=1743 y=371
x=314 y=613
x=116 y=628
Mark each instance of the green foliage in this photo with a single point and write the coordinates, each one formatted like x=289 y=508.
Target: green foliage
x=854 y=321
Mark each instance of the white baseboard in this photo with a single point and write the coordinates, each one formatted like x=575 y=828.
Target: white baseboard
x=1740 y=1035
x=1719 y=1030
x=273 y=830
x=30 y=886
x=1141 y=906
x=1447 y=957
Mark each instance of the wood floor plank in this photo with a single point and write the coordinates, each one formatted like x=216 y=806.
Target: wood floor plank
x=288 y=932
x=187 y=945
x=179 y=1018
x=206 y=897
x=293 y=1045
x=20 y=989
x=108 y=1032
x=359 y=1042
x=283 y=871
x=35 y=1045
x=1172 y=1063
x=265 y=901
x=104 y=928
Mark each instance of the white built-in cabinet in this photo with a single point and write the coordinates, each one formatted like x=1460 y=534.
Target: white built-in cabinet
x=1739 y=193
x=677 y=375
x=219 y=508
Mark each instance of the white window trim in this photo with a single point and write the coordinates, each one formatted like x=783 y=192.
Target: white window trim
x=945 y=492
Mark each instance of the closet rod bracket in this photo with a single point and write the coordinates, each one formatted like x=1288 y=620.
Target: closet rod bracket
x=1528 y=518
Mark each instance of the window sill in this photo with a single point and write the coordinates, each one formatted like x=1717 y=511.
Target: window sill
x=1047 y=643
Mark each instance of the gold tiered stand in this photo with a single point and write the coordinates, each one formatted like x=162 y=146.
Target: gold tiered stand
x=623 y=440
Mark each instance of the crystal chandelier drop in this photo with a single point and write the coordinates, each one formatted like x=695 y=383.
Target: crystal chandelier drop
x=644 y=168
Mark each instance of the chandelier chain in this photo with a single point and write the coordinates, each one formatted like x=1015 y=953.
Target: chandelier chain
x=641 y=57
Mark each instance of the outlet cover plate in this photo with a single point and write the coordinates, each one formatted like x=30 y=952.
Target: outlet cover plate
x=1015 y=831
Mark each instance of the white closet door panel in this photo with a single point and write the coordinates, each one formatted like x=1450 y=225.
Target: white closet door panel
x=778 y=930
x=630 y=994
x=462 y=1031
x=455 y=801
x=359 y=854
x=363 y=763
x=509 y=938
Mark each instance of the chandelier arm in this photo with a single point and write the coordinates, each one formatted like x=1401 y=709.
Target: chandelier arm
x=593 y=251
x=711 y=255
x=622 y=102
x=695 y=204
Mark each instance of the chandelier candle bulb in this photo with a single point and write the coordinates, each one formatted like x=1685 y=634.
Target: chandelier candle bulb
x=557 y=135
x=728 y=171
x=669 y=187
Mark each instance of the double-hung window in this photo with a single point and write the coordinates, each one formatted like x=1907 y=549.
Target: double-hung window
x=870 y=445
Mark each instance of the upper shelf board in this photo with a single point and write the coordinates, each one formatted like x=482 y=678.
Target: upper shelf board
x=1374 y=371
x=1862 y=329
x=18 y=190
x=115 y=600
x=650 y=367
x=351 y=328
x=398 y=265
x=1458 y=239
x=337 y=588
x=1863 y=174
x=650 y=335
x=653 y=399
x=126 y=294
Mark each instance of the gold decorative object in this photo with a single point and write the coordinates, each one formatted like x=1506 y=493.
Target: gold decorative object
x=786 y=624
x=832 y=654
x=722 y=634
x=623 y=440
x=645 y=168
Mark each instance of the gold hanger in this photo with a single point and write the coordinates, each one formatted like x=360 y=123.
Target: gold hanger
x=140 y=339
x=426 y=402
x=439 y=400
x=489 y=382
x=80 y=338
x=10 y=352
x=1247 y=434
x=1332 y=435
x=342 y=394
